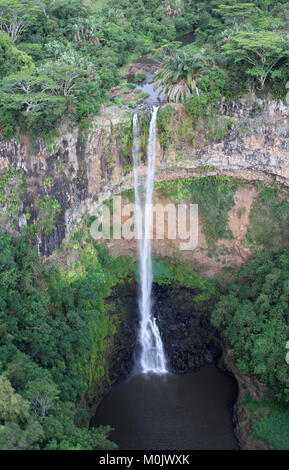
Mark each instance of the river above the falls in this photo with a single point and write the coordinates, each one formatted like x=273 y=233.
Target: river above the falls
x=171 y=412
x=155 y=96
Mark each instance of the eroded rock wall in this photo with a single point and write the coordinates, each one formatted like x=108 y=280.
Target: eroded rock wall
x=78 y=168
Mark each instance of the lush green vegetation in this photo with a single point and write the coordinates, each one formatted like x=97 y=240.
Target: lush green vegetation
x=12 y=186
x=55 y=333
x=215 y=198
x=179 y=74
x=252 y=315
x=176 y=274
x=269 y=223
x=60 y=57
x=240 y=46
x=270 y=422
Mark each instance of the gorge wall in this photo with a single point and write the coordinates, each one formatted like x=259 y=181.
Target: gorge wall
x=249 y=142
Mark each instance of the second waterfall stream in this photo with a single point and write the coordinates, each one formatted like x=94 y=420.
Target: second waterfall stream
x=152 y=357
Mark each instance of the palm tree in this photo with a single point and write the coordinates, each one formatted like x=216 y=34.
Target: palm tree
x=180 y=72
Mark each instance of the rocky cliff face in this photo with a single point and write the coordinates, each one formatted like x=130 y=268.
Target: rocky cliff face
x=247 y=385
x=78 y=168
x=187 y=333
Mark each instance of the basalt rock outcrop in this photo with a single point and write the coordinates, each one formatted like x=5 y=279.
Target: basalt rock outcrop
x=188 y=336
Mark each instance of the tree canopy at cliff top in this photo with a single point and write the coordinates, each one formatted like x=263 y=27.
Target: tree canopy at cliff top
x=60 y=57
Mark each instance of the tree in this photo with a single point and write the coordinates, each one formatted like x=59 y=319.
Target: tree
x=17 y=428
x=65 y=77
x=180 y=72
x=25 y=82
x=16 y=16
x=13 y=407
x=28 y=89
x=62 y=434
x=48 y=6
x=16 y=437
x=66 y=54
x=88 y=30
x=240 y=12
x=11 y=59
x=244 y=14
x=30 y=97
x=261 y=50
x=42 y=395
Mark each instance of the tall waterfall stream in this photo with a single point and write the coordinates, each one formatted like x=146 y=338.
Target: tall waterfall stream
x=152 y=352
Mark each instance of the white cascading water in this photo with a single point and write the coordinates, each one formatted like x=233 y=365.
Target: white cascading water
x=152 y=357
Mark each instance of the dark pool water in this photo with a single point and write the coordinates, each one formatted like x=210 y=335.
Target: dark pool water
x=172 y=412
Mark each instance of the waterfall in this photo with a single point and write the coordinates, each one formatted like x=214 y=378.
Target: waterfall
x=152 y=358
